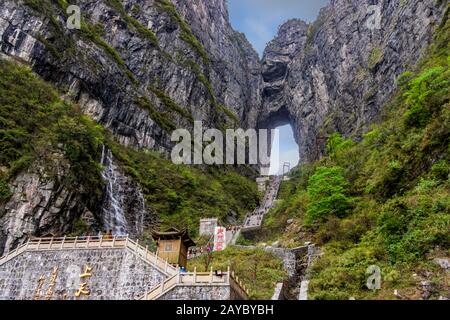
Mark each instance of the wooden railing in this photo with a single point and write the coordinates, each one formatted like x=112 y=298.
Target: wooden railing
x=198 y=279
x=92 y=242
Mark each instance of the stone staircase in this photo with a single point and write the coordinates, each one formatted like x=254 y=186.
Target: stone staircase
x=92 y=243
x=198 y=279
x=253 y=221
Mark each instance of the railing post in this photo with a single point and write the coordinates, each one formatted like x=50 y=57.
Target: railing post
x=39 y=243
x=179 y=276
x=146 y=252
x=114 y=242
x=100 y=242
x=126 y=242
x=62 y=243
x=75 y=242
x=137 y=246
x=195 y=275
x=228 y=274
x=211 y=275
x=50 y=244
x=167 y=265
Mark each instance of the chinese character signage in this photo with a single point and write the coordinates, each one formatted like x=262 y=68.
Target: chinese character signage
x=220 y=239
x=83 y=289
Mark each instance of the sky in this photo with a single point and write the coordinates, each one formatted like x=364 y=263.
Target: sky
x=287 y=148
x=260 y=19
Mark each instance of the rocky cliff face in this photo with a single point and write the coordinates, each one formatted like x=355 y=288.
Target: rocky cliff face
x=337 y=73
x=141 y=68
x=123 y=207
x=144 y=67
x=41 y=206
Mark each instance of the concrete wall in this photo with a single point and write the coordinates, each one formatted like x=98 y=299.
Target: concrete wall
x=117 y=274
x=208 y=226
x=199 y=292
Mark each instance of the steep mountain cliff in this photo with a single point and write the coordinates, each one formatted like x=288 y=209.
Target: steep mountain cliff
x=379 y=208
x=62 y=174
x=336 y=73
x=141 y=68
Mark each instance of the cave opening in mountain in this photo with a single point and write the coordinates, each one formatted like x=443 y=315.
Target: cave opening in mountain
x=283 y=145
x=284 y=150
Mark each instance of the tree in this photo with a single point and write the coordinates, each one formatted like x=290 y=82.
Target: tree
x=327 y=194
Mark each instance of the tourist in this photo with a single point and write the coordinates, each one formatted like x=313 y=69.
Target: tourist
x=108 y=235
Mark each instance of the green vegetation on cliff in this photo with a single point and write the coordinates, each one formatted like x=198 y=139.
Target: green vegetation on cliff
x=382 y=201
x=36 y=127
x=182 y=195
x=259 y=270
x=39 y=130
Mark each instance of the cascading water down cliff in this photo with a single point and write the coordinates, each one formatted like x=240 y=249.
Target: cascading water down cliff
x=113 y=213
x=123 y=209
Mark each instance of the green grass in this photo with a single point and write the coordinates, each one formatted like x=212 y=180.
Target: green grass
x=259 y=271
x=63 y=44
x=36 y=126
x=218 y=108
x=161 y=118
x=375 y=57
x=188 y=37
x=90 y=32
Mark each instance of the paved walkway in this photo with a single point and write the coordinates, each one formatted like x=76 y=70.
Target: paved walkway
x=253 y=221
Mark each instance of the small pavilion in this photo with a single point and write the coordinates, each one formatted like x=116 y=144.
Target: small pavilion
x=173 y=245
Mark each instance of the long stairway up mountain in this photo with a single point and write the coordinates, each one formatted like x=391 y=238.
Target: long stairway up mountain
x=253 y=221
x=144 y=68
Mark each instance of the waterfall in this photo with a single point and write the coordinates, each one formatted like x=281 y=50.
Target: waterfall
x=113 y=212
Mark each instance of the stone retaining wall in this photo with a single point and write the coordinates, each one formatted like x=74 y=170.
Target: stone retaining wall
x=115 y=274
x=199 y=292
